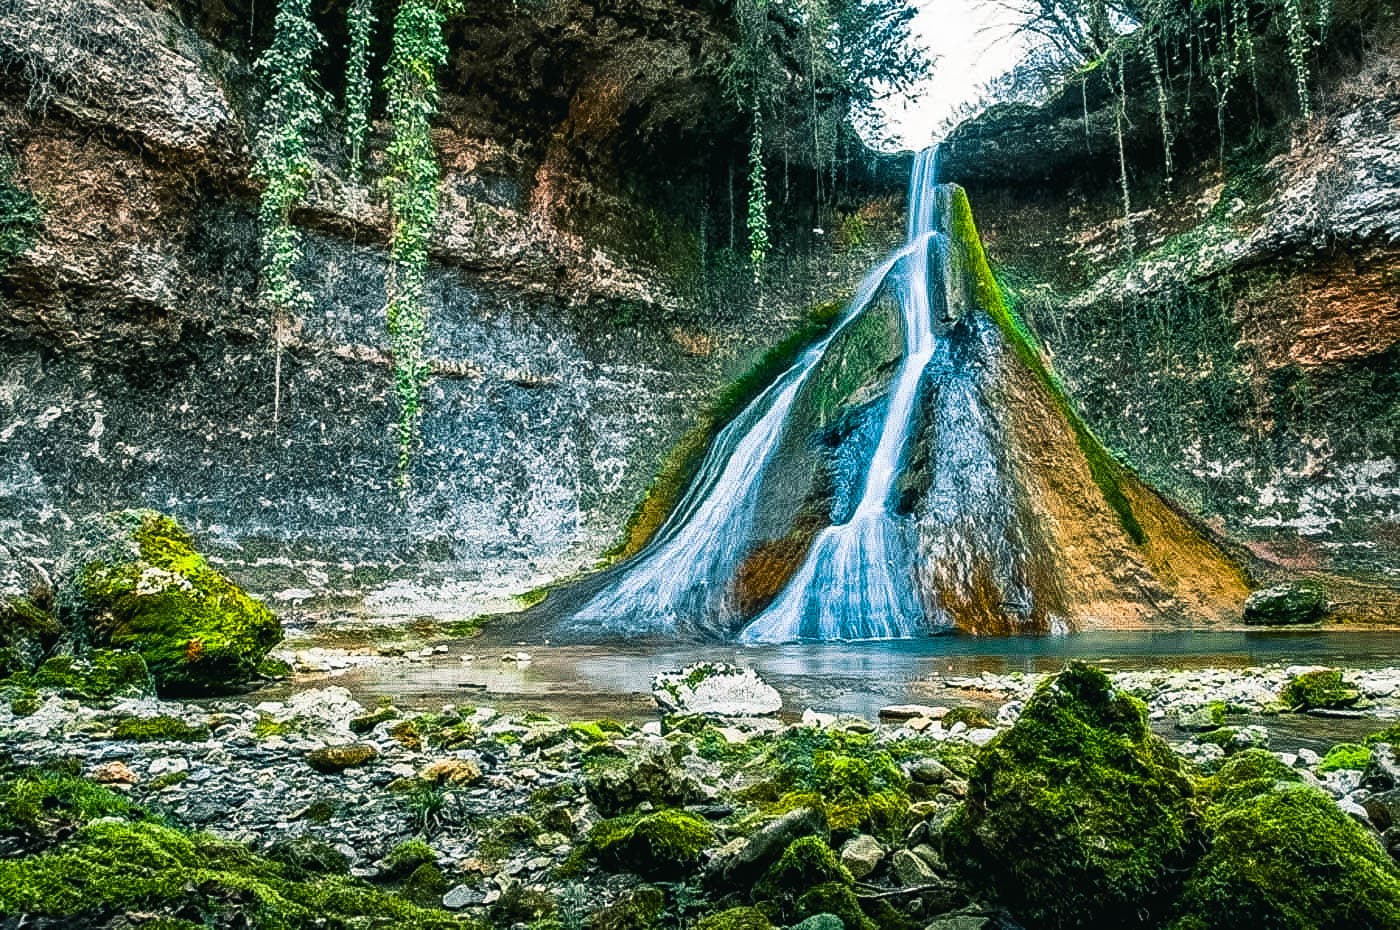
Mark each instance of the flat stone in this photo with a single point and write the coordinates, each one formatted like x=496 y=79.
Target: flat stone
x=929 y=771
x=821 y=922
x=911 y=870
x=451 y=772
x=334 y=759
x=896 y=713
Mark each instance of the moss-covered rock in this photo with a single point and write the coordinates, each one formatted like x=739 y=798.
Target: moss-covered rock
x=735 y=918
x=1322 y=689
x=833 y=898
x=641 y=908
x=1286 y=605
x=654 y=774
x=332 y=759
x=306 y=855
x=103 y=674
x=156 y=729
x=1345 y=756
x=141 y=585
x=1289 y=859
x=664 y=845
x=806 y=862
x=1247 y=774
x=1078 y=816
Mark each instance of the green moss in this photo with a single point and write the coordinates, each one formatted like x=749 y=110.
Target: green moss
x=1107 y=473
x=371 y=719
x=680 y=464
x=197 y=631
x=106 y=673
x=1247 y=774
x=833 y=898
x=1289 y=859
x=426 y=885
x=155 y=729
x=1320 y=689
x=25 y=703
x=639 y=909
x=47 y=799
x=117 y=866
x=306 y=855
x=1345 y=756
x=664 y=845
x=972 y=717
x=406 y=857
x=27 y=633
x=1078 y=816
x=267 y=726
x=332 y=759
x=806 y=862
x=1390 y=735
x=735 y=918
x=167 y=780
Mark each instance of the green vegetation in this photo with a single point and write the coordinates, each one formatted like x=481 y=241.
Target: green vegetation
x=359 y=24
x=1107 y=473
x=412 y=187
x=1078 y=816
x=1345 y=756
x=39 y=801
x=20 y=215
x=735 y=918
x=104 y=674
x=1289 y=859
x=1318 y=690
x=664 y=845
x=156 y=729
x=149 y=591
x=806 y=862
x=284 y=166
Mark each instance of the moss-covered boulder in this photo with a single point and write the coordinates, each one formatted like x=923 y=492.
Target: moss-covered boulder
x=332 y=759
x=805 y=863
x=1286 y=605
x=664 y=845
x=1319 y=690
x=617 y=784
x=1289 y=859
x=1078 y=816
x=138 y=583
x=96 y=676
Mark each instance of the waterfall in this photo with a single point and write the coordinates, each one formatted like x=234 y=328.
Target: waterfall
x=856 y=583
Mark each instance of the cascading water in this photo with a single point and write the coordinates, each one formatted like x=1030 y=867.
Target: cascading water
x=681 y=580
x=959 y=490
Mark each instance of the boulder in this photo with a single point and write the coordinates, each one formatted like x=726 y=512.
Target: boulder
x=1320 y=689
x=451 y=772
x=1286 y=605
x=715 y=689
x=1078 y=816
x=911 y=869
x=141 y=585
x=653 y=774
x=665 y=846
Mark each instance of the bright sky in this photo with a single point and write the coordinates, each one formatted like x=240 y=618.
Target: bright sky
x=969 y=39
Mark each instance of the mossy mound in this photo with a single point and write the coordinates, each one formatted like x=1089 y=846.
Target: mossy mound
x=735 y=918
x=1319 y=690
x=805 y=863
x=99 y=676
x=664 y=845
x=120 y=861
x=1078 y=816
x=1290 y=860
x=332 y=759
x=157 y=729
x=1345 y=756
x=1248 y=774
x=140 y=585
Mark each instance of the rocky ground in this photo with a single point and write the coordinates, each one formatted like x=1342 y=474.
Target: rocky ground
x=517 y=818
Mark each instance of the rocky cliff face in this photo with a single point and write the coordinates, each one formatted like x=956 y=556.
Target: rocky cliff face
x=1237 y=339
x=579 y=317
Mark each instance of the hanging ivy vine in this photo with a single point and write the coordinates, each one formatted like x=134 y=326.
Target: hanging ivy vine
x=359 y=22
x=750 y=79
x=411 y=184
x=283 y=164
x=758 y=199
x=1299 y=42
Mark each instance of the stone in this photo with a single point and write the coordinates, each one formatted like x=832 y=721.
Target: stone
x=1383 y=771
x=715 y=689
x=746 y=863
x=911 y=869
x=812 y=718
x=1201 y=719
x=460 y=896
x=1383 y=809
x=114 y=773
x=1286 y=605
x=333 y=759
x=451 y=772
x=929 y=771
x=820 y=922
x=862 y=855
x=898 y=713
x=652 y=774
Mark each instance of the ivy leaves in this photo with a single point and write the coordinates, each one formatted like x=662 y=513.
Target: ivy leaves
x=411 y=184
